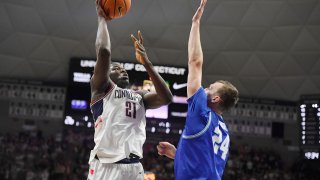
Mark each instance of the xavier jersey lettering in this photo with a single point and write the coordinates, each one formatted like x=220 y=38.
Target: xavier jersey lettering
x=203 y=148
x=119 y=125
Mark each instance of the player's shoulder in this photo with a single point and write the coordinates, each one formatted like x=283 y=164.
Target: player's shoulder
x=103 y=88
x=103 y=92
x=199 y=93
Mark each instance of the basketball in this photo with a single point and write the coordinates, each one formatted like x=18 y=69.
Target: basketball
x=115 y=8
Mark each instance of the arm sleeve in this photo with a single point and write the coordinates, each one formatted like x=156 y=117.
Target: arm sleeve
x=197 y=117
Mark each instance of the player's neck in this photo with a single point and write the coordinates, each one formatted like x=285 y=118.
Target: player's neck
x=218 y=112
x=123 y=86
x=216 y=109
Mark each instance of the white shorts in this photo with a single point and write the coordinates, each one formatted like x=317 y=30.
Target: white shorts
x=106 y=171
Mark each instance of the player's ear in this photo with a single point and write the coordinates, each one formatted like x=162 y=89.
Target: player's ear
x=215 y=99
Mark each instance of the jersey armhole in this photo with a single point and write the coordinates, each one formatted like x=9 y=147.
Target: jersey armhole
x=199 y=133
x=107 y=91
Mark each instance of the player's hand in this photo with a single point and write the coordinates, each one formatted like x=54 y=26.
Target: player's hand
x=197 y=16
x=167 y=149
x=100 y=11
x=141 y=54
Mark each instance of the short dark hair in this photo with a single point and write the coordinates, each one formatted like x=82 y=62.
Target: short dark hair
x=114 y=63
x=229 y=95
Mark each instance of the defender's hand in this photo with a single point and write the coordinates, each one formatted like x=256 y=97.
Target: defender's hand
x=167 y=149
x=141 y=54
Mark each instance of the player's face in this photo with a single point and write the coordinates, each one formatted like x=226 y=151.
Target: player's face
x=212 y=90
x=119 y=75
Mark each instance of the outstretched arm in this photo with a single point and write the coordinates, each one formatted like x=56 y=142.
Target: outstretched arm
x=100 y=79
x=167 y=149
x=195 y=54
x=163 y=95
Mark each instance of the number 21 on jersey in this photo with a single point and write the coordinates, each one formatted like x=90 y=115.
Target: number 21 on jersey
x=131 y=109
x=219 y=143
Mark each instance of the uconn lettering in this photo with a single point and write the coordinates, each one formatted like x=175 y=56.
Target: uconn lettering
x=126 y=94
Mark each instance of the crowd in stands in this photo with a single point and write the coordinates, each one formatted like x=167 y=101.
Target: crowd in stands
x=31 y=156
x=253 y=164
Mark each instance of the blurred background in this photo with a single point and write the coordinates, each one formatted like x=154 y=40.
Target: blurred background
x=269 y=49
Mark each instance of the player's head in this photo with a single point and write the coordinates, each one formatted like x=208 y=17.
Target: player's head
x=222 y=95
x=119 y=75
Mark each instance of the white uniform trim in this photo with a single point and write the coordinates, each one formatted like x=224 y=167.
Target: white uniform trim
x=201 y=132
x=223 y=126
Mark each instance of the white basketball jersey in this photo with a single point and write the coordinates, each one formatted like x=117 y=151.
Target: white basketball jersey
x=119 y=125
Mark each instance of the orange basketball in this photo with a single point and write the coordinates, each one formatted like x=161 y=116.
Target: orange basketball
x=115 y=8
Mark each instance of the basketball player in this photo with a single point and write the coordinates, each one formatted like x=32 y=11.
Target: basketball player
x=204 y=145
x=119 y=113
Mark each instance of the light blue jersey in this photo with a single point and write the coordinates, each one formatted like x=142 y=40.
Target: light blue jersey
x=203 y=148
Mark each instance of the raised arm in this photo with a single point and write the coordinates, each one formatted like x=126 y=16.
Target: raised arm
x=195 y=54
x=163 y=95
x=100 y=79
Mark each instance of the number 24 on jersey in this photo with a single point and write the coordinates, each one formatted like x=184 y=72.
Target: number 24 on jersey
x=220 y=144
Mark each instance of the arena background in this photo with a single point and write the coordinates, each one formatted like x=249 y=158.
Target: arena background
x=270 y=50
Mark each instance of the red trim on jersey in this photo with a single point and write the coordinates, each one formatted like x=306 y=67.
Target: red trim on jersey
x=98 y=122
x=91 y=171
x=108 y=90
